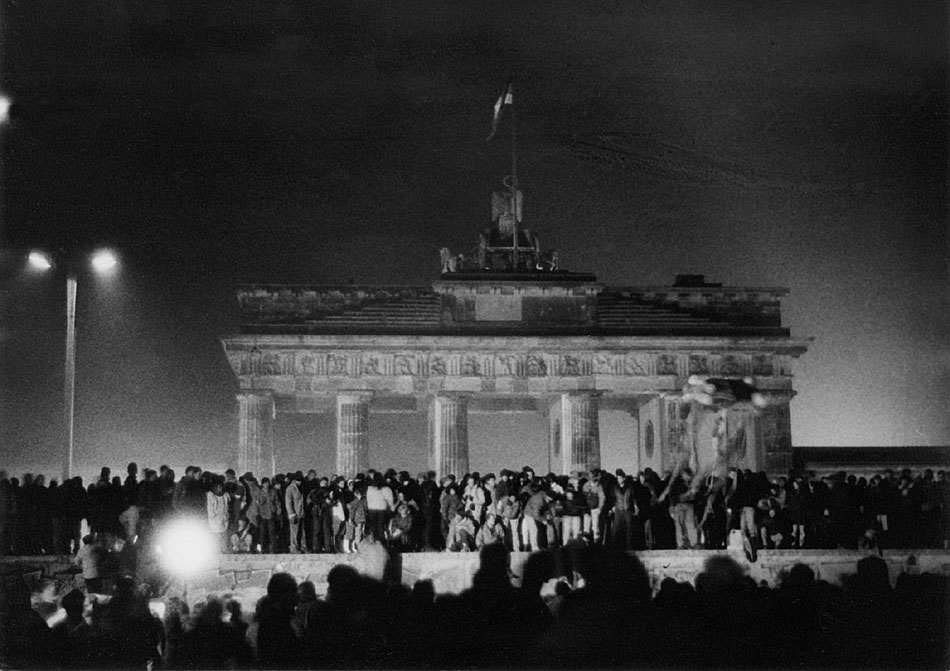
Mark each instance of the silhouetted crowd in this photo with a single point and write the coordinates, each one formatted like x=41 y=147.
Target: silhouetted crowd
x=600 y=613
x=297 y=512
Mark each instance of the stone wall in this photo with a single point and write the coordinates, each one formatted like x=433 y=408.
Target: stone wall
x=247 y=575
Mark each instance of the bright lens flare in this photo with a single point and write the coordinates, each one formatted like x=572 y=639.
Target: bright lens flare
x=104 y=261
x=39 y=261
x=186 y=547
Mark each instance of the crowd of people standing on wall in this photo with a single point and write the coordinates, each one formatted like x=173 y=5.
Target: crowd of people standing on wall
x=299 y=512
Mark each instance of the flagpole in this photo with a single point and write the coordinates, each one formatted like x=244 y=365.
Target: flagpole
x=514 y=176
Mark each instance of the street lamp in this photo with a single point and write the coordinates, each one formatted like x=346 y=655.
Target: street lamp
x=101 y=261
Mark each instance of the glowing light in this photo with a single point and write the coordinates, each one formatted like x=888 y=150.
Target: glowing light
x=104 y=261
x=157 y=608
x=186 y=547
x=40 y=261
x=5 y=105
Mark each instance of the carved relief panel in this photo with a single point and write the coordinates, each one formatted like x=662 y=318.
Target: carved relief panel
x=637 y=364
x=762 y=365
x=698 y=364
x=507 y=365
x=257 y=362
x=666 y=364
x=536 y=366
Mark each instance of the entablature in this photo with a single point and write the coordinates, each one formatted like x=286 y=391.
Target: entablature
x=419 y=365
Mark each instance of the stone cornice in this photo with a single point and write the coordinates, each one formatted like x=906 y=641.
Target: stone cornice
x=791 y=346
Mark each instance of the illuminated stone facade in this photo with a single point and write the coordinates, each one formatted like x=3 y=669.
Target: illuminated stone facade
x=557 y=343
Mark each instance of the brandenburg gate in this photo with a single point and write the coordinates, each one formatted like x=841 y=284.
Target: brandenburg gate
x=505 y=329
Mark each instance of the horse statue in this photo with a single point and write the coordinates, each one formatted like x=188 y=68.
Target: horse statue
x=450 y=263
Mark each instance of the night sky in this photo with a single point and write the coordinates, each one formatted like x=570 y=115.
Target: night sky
x=211 y=142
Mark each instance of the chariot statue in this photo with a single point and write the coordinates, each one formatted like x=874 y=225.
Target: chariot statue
x=506 y=245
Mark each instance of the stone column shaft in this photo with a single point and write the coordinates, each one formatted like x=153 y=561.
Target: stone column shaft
x=579 y=432
x=448 y=435
x=255 y=452
x=773 y=434
x=352 y=433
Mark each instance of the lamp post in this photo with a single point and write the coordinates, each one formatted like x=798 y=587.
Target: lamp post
x=102 y=262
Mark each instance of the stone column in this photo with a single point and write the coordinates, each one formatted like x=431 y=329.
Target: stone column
x=575 y=432
x=773 y=436
x=255 y=452
x=671 y=433
x=352 y=435
x=448 y=435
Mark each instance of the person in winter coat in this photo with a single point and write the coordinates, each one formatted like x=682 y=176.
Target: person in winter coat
x=474 y=498
x=461 y=531
x=492 y=531
x=448 y=502
x=268 y=515
x=535 y=512
x=356 y=521
x=293 y=500
x=90 y=558
x=400 y=528
x=217 y=506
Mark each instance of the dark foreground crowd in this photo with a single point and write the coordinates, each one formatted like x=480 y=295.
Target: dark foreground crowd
x=602 y=614
x=297 y=512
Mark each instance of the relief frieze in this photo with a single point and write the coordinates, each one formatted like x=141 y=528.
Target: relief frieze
x=698 y=364
x=637 y=365
x=471 y=365
x=731 y=364
x=571 y=365
x=405 y=364
x=506 y=365
x=438 y=365
x=496 y=364
x=262 y=363
x=605 y=364
x=536 y=366
x=309 y=364
x=336 y=364
x=762 y=365
x=666 y=364
x=372 y=364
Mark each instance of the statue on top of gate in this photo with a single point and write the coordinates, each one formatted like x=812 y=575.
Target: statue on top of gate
x=505 y=246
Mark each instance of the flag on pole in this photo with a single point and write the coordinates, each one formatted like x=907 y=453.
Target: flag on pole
x=507 y=98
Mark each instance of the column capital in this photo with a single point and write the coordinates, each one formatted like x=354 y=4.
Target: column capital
x=584 y=393
x=779 y=397
x=255 y=393
x=355 y=395
x=452 y=395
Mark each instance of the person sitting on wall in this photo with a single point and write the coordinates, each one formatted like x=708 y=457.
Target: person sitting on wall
x=492 y=531
x=241 y=539
x=461 y=531
x=400 y=528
